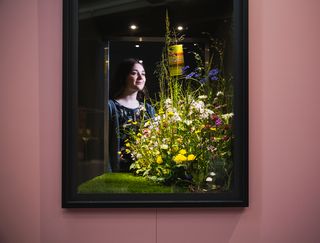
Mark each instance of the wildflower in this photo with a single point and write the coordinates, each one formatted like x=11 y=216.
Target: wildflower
x=182 y=151
x=202 y=97
x=212 y=173
x=128 y=144
x=209 y=179
x=187 y=122
x=164 y=146
x=170 y=113
x=134 y=123
x=179 y=158
x=227 y=116
x=213 y=129
x=213 y=74
x=184 y=69
x=211 y=148
x=220 y=93
x=218 y=122
x=191 y=157
x=127 y=151
x=147 y=123
x=168 y=102
x=142 y=108
x=190 y=75
x=159 y=160
x=119 y=152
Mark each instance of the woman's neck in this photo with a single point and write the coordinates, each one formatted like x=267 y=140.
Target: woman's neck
x=129 y=100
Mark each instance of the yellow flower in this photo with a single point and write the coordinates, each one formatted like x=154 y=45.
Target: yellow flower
x=170 y=113
x=119 y=152
x=159 y=160
x=134 y=123
x=139 y=134
x=197 y=131
x=179 y=158
x=191 y=157
x=127 y=151
x=129 y=121
x=182 y=151
x=213 y=128
x=128 y=144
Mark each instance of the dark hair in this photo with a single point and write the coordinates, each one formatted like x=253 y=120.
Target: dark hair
x=118 y=82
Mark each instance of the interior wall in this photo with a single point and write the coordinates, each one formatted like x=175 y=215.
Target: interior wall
x=284 y=159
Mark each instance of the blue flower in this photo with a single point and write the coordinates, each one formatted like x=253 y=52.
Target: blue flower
x=213 y=74
x=184 y=69
x=196 y=75
x=190 y=75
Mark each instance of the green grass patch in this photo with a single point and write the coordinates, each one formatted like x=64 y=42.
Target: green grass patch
x=124 y=183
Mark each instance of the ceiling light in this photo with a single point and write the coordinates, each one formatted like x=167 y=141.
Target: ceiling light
x=137 y=46
x=133 y=27
x=180 y=28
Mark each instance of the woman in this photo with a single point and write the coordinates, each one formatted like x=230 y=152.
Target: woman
x=126 y=106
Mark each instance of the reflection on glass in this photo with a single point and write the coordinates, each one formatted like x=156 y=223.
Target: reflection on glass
x=175 y=135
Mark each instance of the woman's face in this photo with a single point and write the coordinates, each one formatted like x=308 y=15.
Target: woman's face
x=136 y=79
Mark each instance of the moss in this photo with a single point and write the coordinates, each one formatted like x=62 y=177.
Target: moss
x=124 y=183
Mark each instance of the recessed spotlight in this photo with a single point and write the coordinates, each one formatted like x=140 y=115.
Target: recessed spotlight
x=180 y=28
x=137 y=46
x=140 y=61
x=133 y=27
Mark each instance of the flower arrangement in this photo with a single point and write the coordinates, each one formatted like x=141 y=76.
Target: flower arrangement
x=189 y=141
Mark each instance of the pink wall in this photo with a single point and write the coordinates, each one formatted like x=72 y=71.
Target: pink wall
x=284 y=138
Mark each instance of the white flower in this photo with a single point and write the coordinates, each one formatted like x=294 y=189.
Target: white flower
x=157 y=118
x=197 y=104
x=188 y=122
x=142 y=108
x=227 y=116
x=164 y=146
x=212 y=173
x=202 y=97
x=209 y=179
x=220 y=93
x=168 y=103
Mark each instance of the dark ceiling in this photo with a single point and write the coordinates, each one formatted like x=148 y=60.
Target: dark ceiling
x=113 y=17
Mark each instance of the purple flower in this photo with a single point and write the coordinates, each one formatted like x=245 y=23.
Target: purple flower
x=196 y=75
x=218 y=122
x=184 y=69
x=190 y=75
x=213 y=74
